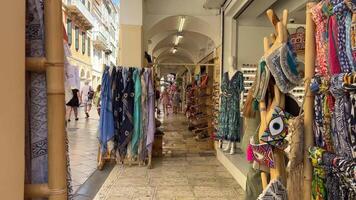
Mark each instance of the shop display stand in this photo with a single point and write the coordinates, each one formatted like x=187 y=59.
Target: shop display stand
x=278 y=99
x=53 y=65
x=309 y=100
x=109 y=158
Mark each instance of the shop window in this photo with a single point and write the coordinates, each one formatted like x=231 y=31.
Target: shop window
x=76 y=38
x=69 y=31
x=84 y=38
x=89 y=46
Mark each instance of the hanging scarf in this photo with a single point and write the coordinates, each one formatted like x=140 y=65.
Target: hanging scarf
x=341 y=116
x=320 y=39
x=137 y=112
x=150 y=110
x=127 y=126
x=341 y=11
x=144 y=117
x=106 y=123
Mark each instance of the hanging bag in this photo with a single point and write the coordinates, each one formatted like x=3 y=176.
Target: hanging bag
x=295 y=153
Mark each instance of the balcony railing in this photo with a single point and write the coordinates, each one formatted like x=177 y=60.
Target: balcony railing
x=78 y=9
x=99 y=40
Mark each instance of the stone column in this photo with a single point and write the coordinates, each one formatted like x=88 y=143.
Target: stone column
x=131 y=33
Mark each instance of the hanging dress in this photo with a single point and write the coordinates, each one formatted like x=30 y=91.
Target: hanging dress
x=137 y=112
x=126 y=128
x=229 y=118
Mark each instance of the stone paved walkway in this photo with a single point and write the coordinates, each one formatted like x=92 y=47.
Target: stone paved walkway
x=83 y=147
x=188 y=171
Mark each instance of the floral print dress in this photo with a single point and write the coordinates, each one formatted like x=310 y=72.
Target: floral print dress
x=229 y=117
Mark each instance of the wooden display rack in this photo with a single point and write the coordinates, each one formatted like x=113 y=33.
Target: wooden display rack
x=53 y=65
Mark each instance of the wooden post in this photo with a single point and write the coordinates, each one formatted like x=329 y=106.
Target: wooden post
x=57 y=172
x=309 y=100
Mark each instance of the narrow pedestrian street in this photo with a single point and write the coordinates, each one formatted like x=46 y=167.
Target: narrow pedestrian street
x=83 y=147
x=188 y=170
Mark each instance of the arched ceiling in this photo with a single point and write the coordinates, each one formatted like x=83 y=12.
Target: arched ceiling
x=198 y=35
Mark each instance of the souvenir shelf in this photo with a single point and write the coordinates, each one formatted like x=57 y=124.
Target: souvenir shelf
x=249 y=72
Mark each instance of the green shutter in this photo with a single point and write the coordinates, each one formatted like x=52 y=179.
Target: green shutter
x=77 y=38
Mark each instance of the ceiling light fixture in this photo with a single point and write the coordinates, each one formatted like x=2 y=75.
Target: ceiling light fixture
x=176 y=42
x=174 y=50
x=181 y=24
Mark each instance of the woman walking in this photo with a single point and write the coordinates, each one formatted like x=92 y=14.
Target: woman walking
x=165 y=101
x=73 y=104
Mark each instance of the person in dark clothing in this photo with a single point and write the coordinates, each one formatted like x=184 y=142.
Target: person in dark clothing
x=73 y=104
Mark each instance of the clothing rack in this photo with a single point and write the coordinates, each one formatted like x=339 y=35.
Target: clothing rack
x=102 y=159
x=53 y=65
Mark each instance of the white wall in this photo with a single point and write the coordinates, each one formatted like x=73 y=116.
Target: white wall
x=250 y=43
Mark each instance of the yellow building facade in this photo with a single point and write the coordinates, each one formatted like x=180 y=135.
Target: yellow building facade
x=78 y=22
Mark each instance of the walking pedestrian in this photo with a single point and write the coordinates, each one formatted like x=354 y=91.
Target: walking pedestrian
x=73 y=104
x=87 y=94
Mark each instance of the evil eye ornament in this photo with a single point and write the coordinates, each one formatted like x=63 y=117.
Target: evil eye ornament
x=277 y=129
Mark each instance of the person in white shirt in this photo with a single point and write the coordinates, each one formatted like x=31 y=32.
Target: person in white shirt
x=87 y=95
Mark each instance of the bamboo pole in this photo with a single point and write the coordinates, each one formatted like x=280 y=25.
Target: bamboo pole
x=57 y=171
x=309 y=100
x=34 y=64
x=36 y=190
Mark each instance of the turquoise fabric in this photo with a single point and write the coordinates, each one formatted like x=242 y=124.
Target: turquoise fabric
x=229 y=117
x=137 y=112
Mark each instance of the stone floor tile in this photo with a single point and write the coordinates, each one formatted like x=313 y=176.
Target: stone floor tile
x=188 y=170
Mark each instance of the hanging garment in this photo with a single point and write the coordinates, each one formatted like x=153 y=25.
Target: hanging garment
x=106 y=123
x=341 y=11
x=334 y=63
x=151 y=127
x=137 y=112
x=117 y=84
x=341 y=117
x=229 y=119
x=126 y=128
x=144 y=119
x=320 y=21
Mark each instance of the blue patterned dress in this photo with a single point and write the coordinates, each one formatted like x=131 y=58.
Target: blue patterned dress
x=229 y=117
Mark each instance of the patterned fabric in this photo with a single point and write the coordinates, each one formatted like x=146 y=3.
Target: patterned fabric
x=263 y=154
x=273 y=62
x=275 y=190
x=318 y=181
x=229 y=118
x=341 y=117
x=334 y=177
x=137 y=112
x=341 y=11
x=262 y=80
x=277 y=129
x=144 y=118
x=289 y=64
x=127 y=126
x=323 y=104
x=334 y=63
x=151 y=120
x=117 y=88
x=106 y=130
x=321 y=41
x=36 y=99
